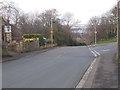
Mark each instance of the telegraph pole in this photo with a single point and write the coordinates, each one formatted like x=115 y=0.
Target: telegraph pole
x=95 y=35
x=118 y=28
x=51 y=33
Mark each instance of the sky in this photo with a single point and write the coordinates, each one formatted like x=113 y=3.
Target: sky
x=82 y=10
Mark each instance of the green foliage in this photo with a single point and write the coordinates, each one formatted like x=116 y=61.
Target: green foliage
x=118 y=60
x=80 y=44
x=107 y=41
x=40 y=36
x=41 y=41
x=33 y=35
x=5 y=53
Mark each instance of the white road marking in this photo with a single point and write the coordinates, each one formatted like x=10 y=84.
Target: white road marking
x=93 y=52
x=106 y=50
x=84 y=78
x=97 y=52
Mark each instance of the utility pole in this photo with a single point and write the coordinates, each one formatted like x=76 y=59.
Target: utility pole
x=118 y=28
x=95 y=35
x=51 y=32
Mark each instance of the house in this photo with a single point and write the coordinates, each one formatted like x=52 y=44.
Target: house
x=0 y=29
x=10 y=32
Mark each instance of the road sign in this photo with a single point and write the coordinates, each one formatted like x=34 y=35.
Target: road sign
x=7 y=29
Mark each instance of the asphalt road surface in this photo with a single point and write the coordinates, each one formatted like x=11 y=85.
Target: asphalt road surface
x=105 y=48
x=107 y=72
x=61 y=67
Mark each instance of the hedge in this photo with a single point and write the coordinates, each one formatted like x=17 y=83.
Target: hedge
x=40 y=36
x=33 y=36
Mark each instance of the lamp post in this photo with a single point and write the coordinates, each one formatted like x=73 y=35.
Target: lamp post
x=118 y=28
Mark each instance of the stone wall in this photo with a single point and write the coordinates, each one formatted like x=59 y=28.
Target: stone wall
x=28 y=46
x=16 y=46
x=21 y=46
x=31 y=45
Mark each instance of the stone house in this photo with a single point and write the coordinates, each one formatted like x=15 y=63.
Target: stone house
x=10 y=32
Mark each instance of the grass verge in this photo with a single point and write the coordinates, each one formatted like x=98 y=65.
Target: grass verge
x=4 y=53
x=107 y=41
x=118 y=60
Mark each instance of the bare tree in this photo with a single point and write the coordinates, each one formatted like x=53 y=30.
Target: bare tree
x=68 y=20
x=10 y=12
x=105 y=25
x=47 y=15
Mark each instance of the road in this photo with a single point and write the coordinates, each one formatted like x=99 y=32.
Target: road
x=105 y=48
x=107 y=72
x=106 y=75
x=61 y=67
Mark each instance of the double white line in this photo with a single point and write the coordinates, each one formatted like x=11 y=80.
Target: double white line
x=94 y=52
x=85 y=76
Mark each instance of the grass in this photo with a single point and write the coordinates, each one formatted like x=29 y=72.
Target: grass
x=4 y=52
x=118 y=60
x=107 y=41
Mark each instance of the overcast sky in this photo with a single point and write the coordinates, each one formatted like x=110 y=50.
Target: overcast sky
x=82 y=9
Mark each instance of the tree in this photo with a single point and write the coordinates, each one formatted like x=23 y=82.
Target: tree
x=40 y=23
x=105 y=25
x=92 y=25
x=46 y=17
x=68 y=20
x=10 y=12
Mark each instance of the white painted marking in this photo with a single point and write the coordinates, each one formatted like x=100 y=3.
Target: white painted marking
x=93 y=52
x=106 y=50
x=84 y=78
x=97 y=52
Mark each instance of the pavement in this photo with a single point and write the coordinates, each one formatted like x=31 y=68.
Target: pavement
x=61 y=67
x=105 y=71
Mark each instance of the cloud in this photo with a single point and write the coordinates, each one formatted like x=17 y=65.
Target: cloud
x=82 y=9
